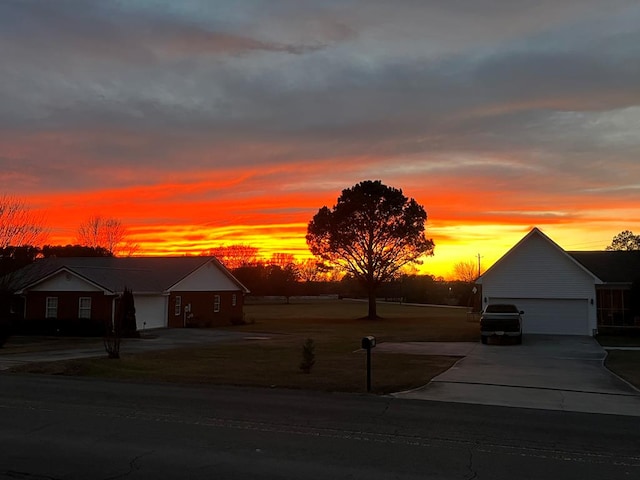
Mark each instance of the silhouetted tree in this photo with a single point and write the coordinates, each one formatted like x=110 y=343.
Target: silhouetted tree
x=625 y=240
x=14 y=258
x=129 y=324
x=466 y=271
x=106 y=233
x=371 y=232
x=19 y=226
x=281 y=260
x=235 y=256
x=254 y=277
x=308 y=355
x=310 y=270
x=74 y=251
x=123 y=324
x=282 y=280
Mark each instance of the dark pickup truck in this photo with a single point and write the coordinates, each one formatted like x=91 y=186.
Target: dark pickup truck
x=501 y=320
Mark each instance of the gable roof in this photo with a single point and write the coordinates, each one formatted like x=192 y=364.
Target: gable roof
x=537 y=232
x=139 y=274
x=611 y=266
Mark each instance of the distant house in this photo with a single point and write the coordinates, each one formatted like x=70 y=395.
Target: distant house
x=80 y=293
x=567 y=293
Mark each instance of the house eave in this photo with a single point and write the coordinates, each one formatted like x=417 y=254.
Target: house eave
x=70 y=271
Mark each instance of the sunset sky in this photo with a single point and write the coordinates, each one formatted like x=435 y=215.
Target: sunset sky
x=199 y=123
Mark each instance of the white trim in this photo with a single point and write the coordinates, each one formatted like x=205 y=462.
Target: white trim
x=23 y=290
x=48 y=307
x=85 y=309
x=177 y=309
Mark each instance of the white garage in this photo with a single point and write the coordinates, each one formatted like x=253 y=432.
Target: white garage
x=554 y=290
x=554 y=316
x=151 y=311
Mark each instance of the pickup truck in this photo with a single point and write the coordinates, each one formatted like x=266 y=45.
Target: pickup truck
x=501 y=320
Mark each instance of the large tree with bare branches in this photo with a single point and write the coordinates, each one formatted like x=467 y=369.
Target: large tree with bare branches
x=106 y=233
x=466 y=271
x=371 y=232
x=235 y=256
x=19 y=225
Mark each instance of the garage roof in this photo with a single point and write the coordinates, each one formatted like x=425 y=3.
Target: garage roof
x=611 y=266
x=140 y=274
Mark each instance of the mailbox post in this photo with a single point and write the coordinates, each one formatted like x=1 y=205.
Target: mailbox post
x=368 y=343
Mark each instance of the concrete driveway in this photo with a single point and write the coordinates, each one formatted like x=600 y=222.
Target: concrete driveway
x=545 y=372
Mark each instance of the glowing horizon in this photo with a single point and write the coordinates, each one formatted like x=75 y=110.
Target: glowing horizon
x=283 y=227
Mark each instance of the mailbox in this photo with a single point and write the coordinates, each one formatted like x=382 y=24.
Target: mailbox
x=368 y=342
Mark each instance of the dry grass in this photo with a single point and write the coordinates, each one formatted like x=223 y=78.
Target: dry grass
x=336 y=328
x=625 y=364
x=28 y=344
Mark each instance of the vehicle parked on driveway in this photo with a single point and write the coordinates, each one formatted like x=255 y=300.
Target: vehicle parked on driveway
x=500 y=320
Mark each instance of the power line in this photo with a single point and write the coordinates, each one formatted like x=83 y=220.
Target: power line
x=595 y=242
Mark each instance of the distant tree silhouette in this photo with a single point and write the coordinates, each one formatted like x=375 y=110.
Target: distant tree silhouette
x=371 y=232
x=19 y=226
x=14 y=258
x=466 y=271
x=106 y=233
x=61 y=251
x=311 y=270
x=235 y=256
x=282 y=280
x=282 y=260
x=625 y=241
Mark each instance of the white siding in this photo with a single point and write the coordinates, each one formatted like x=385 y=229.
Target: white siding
x=207 y=278
x=151 y=311
x=537 y=271
x=65 y=282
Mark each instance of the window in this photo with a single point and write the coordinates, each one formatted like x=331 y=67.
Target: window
x=52 y=307
x=234 y=300
x=84 y=307
x=614 y=307
x=216 y=303
x=178 y=307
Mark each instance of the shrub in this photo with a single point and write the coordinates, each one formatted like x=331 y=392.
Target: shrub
x=308 y=356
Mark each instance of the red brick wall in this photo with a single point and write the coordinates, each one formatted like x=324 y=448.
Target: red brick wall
x=202 y=309
x=68 y=303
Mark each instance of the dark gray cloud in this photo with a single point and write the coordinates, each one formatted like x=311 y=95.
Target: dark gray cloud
x=136 y=84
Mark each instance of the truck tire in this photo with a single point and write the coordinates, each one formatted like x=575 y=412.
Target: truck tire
x=519 y=340
x=483 y=339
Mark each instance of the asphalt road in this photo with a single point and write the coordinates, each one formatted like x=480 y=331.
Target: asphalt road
x=75 y=428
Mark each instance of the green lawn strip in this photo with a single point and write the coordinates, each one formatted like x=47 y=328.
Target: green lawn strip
x=29 y=344
x=337 y=367
x=625 y=364
x=336 y=327
x=344 y=319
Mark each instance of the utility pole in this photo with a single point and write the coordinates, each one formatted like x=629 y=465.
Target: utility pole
x=479 y=269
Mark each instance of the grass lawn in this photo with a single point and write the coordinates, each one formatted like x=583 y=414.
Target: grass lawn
x=27 y=343
x=619 y=340
x=625 y=363
x=336 y=328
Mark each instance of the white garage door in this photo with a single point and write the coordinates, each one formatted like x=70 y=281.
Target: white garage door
x=552 y=316
x=150 y=312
